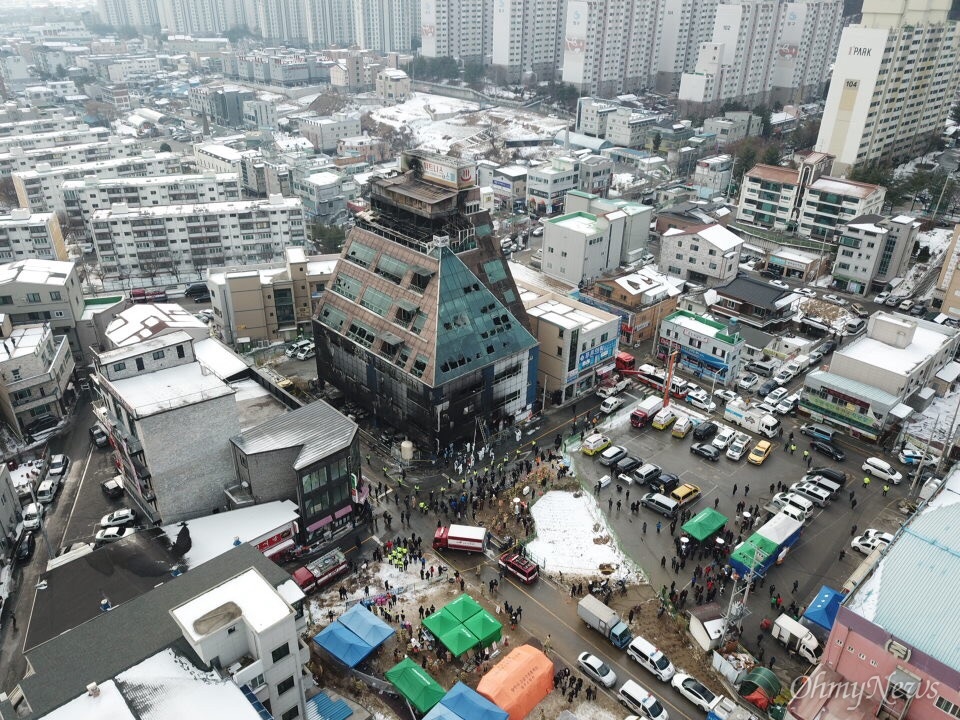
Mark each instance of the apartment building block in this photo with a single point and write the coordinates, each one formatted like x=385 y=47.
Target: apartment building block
x=527 y=38
x=461 y=29
x=190 y=238
x=24 y=234
x=17 y=159
x=872 y=250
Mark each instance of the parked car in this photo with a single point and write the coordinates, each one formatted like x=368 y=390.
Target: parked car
x=882 y=470
x=738 y=447
x=705 y=450
x=783 y=376
x=881 y=298
x=42 y=426
x=694 y=691
x=628 y=464
x=859 y=310
x=893 y=301
x=779 y=283
x=99 y=436
x=58 y=465
x=32 y=515
x=767 y=387
x=611 y=404
x=828 y=347
x=28 y=544
x=808 y=292
x=596 y=669
x=701 y=401
x=537 y=231
x=296 y=347
x=918 y=310
x=815 y=357
x=828 y=449
x=723 y=438
x=834 y=299
x=612 y=455
x=870 y=541
x=761 y=451
x=705 y=430
x=123 y=516
x=748 y=381
x=112 y=488
x=306 y=353
x=202 y=298
x=905 y=305
x=196 y=290
x=112 y=534
x=776 y=396
x=726 y=396
x=909 y=456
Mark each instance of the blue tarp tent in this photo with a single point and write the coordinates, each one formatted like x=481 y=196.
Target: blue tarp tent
x=343 y=644
x=468 y=704
x=823 y=610
x=439 y=712
x=367 y=626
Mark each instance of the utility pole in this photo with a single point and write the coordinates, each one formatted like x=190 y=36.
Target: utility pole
x=737 y=607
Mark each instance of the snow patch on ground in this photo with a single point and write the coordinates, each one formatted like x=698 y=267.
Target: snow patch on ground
x=567 y=526
x=935 y=422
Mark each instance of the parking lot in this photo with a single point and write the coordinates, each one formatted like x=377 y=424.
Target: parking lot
x=813 y=561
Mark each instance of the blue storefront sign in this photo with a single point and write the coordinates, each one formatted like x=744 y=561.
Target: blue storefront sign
x=597 y=354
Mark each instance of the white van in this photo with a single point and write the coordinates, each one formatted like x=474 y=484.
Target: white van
x=829 y=485
x=47 y=491
x=639 y=699
x=799 y=504
x=651 y=658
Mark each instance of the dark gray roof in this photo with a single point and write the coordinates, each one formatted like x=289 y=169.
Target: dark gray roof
x=119 y=572
x=754 y=337
x=872 y=218
x=111 y=642
x=755 y=292
x=318 y=429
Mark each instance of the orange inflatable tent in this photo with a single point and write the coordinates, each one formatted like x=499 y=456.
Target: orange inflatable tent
x=519 y=681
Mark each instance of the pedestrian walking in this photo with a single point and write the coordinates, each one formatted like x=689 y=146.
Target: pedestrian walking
x=663 y=561
x=759 y=639
x=796 y=584
x=746 y=490
x=773 y=589
x=610 y=504
x=773 y=602
x=886 y=489
x=853 y=530
x=772 y=661
x=645 y=528
x=806 y=455
x=793 y=448
x=658 y=527
x=734 y=489
x=853 y=504
x=843 y=554
x=760 y=655
x=866 y=482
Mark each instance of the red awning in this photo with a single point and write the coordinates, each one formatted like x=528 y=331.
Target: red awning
x=346 y=510
x=320 y=523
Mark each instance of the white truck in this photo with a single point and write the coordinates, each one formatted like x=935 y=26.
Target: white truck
x=796 y=638
x=752 y=418
x=611 y=390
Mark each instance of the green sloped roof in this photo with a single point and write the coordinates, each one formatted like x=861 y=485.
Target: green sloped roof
x=485 y=626
x=463 y=607
x=440 y=622
x=415 y=684
x=704 y=524
x=474 y=329
x=745 y=553
x=458 y=640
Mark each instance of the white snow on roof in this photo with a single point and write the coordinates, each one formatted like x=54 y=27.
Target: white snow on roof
x=290 y=591
x=795 y=255
x=649 y=282
x=697 y=326
x=321 y=267
x=569 y=314
x=171 y=388
x=926 y=343
x=260 y=605
x=108 y=704
x=565 y=536
x=169 y=687
x=903 y=219
x=721 y=237
x=223 y=152
x=143 y=321
x=214 y=535
x=218 y=358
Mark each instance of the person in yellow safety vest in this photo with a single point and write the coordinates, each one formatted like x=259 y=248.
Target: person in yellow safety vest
x=866 y=482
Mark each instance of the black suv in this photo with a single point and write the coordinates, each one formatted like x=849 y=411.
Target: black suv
x=837 y=476
x=705 y=430
x=829 y=450
x=196 y=289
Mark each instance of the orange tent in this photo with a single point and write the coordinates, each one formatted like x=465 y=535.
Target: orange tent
x=519 y=681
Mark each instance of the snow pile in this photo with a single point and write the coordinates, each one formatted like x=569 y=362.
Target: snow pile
x=573 y=537
x=935 y=422
x=937 y=240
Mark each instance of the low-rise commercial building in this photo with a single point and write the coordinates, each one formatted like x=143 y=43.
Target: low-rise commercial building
x=393 y=86
x=151 y=395
x=310 y=455
x=187 y=239
x=325 y=195
x=874 y=381
x=548 y=185
x=733 y=126
x=707 y=256
x=577 y=342
x=37 y=370
x=509 y=183
x=795 y=264
x=872 y=250
x=258 y=305
x=640 y=298
x=326 y=132
x=25 y=234
x=693 y=214
x=706 y=348
x=712 y=175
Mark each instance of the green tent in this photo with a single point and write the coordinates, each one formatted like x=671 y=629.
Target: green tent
x=459 y=640
x=415 y=684
x=704 y=524
x=485 y=626
x=463 y=607
x=440 y=622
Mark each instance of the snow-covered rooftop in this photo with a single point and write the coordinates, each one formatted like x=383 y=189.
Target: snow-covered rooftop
x=170 y=388
x=145 y=320
x=34 y=270
x=215 y=534
x=926 y=343
x=569 y=314
x=721 y=237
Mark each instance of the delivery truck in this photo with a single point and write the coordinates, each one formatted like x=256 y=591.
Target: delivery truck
x=605 y=621
x=645 y=410
x=460 y=537
x=754 y=419
x=796 y=638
